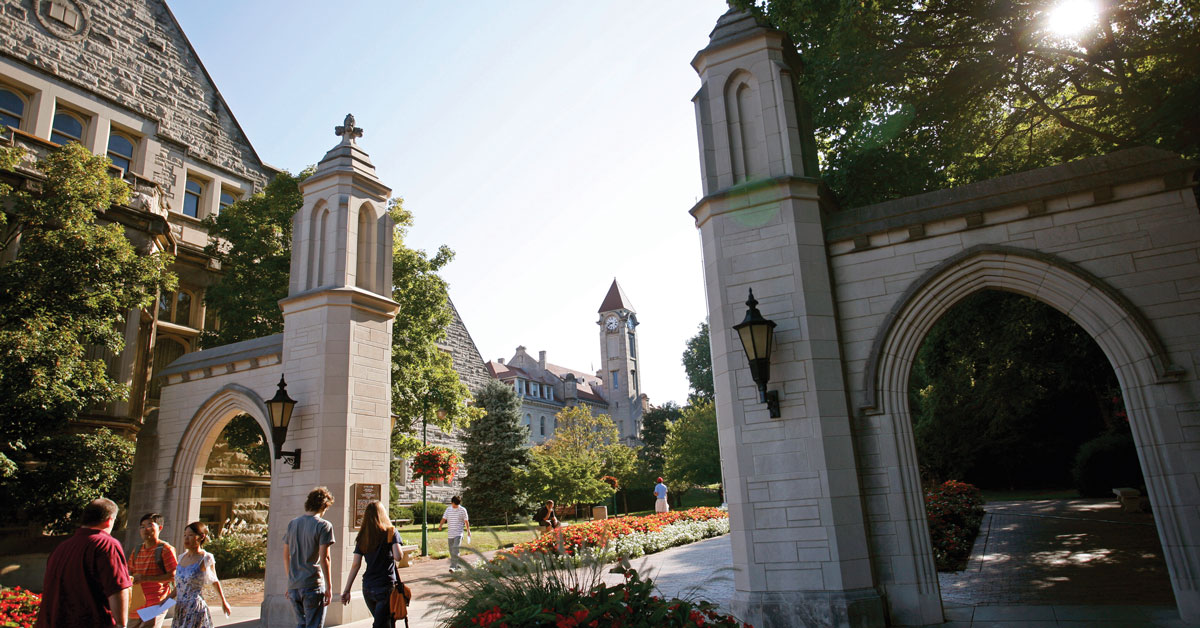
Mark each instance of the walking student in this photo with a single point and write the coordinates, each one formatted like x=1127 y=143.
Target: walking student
x=196 y=569
x=660 y=495
x=152 y=566
x=87 y=582
x=457 y=524
x=306 y=560
x=379 y=544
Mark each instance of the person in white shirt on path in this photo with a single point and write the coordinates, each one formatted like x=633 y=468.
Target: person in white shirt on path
x=458 y=525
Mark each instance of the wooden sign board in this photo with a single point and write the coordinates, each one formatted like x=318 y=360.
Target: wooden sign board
x=363 y=495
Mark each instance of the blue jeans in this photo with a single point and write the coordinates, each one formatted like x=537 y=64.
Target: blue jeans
x=310 y=606
x=377 y=603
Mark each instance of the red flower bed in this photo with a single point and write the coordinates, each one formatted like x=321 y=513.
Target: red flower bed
x=596 y=533
x=955 y=512
x=18 y=607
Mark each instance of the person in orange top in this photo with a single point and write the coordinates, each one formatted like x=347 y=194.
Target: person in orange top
x=152 y=566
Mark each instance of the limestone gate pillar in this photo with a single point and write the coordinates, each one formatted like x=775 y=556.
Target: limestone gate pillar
x=336 y=357
x=799 y=540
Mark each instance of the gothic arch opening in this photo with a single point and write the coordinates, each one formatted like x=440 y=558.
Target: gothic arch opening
x=898 y=527
x=186 y=482
x=747 y=133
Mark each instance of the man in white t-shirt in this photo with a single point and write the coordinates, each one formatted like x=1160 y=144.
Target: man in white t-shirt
x=458 y=525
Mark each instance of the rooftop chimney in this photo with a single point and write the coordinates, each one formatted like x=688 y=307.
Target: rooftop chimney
x=501 y=360
x=542 y=359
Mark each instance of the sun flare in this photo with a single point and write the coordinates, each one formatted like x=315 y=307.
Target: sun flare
x=1071 y=17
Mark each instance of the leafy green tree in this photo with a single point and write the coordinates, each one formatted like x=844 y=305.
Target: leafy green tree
x=1004 y=390
x=697 y=363
x=244 y=434
x=495 y=454
x=577 y=429
x=252 y=240
x=567 y=477
x=693 y=457
x=69 y=287
x=908 y=97
x=654 y=436
x=74 y=469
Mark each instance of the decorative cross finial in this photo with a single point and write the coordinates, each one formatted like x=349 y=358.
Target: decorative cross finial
x=348 y=131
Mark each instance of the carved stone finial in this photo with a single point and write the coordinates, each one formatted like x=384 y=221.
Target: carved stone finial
x=348 y=131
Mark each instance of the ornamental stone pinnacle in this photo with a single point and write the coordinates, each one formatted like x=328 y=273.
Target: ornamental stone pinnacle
x=348 y=131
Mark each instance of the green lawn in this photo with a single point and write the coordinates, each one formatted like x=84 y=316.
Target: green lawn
x=483 y=538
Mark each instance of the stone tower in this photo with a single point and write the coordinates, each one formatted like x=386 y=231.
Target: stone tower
x=336 y=346
x=799 y=537
x=619 y=362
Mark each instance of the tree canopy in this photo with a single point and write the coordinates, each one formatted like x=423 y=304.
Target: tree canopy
x=654 y=437
x=909 y=97
x=697 y=363
x=68 y=289
x=692 y=453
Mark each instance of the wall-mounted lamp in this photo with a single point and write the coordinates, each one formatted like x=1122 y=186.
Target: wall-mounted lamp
x=758 y=335
x=280 y=407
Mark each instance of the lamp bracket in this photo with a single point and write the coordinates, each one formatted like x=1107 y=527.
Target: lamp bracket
x=290 y=458
x=771 y=398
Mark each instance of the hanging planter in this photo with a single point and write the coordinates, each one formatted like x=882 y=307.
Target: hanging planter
x=435 y=464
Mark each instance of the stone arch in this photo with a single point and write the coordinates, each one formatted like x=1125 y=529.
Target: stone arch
x=1126 y=337
x=747 y=135
x=191 y=454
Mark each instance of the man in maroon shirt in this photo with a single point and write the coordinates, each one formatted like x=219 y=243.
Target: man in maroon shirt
x=87 y=582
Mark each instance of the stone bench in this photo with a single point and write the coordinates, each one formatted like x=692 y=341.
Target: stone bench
x=1131 y=499
x=406 y=554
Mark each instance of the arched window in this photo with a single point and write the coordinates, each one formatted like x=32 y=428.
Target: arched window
x=227 y=199
x=193 y=191
x=12 y=108
x=543 y=428
x=120 y=151
x=68 y=127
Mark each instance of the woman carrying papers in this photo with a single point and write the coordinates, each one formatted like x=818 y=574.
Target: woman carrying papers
x=196 y=569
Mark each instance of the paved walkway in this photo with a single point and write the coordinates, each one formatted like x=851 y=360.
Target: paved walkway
x=1070 y=563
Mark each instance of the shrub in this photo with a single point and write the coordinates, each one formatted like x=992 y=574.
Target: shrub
x=1106 y=462
x=240 y=550
x=628 y=536
x=955 y=511
x=18 y=607
x=400 y=512
x=436 y=510
x=543 y=590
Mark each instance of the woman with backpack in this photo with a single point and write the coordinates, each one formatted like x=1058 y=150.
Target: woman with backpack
x=378 y=543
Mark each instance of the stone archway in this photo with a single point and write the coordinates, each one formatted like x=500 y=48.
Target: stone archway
x=1133 y=348
x=187 y=470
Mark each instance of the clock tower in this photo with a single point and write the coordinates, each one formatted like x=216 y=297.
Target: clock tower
x=619 y=363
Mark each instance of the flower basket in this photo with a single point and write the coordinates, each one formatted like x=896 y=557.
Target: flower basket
x=435 y=464
x=611 y=481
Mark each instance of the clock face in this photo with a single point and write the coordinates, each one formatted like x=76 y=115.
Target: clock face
x=611 y=323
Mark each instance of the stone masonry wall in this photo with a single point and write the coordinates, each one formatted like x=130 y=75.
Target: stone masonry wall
x=133 y=53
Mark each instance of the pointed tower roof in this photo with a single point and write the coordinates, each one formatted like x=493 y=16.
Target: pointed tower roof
x=616 y=299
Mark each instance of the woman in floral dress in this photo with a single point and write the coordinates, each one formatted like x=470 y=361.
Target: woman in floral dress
x=196 y=569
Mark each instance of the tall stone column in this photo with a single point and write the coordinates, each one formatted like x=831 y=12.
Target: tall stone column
x=336 y=357
x=798 y=532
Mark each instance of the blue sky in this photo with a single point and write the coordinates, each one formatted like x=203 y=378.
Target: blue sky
x=552 y=145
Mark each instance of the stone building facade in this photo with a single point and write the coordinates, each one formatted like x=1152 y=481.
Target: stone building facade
x=121 y=78
x=615 y=388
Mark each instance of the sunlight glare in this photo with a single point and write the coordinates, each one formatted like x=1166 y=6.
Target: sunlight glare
x=1070 y=17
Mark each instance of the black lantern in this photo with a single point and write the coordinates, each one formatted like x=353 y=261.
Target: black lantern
x=280 y=407
x=758 y=336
